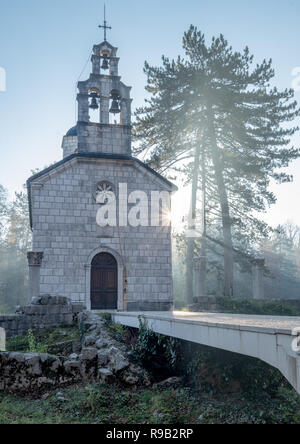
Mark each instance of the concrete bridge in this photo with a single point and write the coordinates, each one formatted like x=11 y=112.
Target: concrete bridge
x=272 y=339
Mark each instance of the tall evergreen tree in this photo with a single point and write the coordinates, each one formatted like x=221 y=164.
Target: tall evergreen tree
x=3 y=209
x=221 y=98
x=15 y=242
x=19 y=232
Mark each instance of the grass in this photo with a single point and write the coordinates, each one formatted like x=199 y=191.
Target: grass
x=46 y=338
x=110 y=404
x=103 y=404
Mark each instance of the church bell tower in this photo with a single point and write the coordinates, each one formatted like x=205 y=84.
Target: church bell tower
x=124 y=261
x=104 y=107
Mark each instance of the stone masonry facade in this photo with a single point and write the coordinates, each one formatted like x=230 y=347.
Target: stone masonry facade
x=63 y=203
x=65 y=230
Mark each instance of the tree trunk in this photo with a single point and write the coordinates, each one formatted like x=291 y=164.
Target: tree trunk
x=191 y=227
x=226 y=220
x=203 y=258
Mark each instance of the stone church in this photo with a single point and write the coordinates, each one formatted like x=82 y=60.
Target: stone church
x=122 y=267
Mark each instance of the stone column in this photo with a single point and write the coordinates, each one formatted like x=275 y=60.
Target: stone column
x=34 y=263
x=2 y=340
x=96 y=64
x=197 y=280
x=258 y=278
x=83 y=107
x=114 y=61
x=200 y=275
x=123 y=116
x=104 y=110
x=88 y=286
x=124 y=113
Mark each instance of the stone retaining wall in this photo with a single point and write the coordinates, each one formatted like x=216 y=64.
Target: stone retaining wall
x=22 y=372
x=2 y=340
x=205 y=303
x=101 y=358
x=44 y=312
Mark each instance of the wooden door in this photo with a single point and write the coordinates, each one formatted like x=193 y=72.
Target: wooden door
x=104 y=282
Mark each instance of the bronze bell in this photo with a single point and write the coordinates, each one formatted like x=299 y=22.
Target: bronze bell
x=115 y=109
x=105 y=65
x=115 y=106
x=94 y=102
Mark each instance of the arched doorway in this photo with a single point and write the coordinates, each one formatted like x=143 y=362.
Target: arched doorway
x=104 y=282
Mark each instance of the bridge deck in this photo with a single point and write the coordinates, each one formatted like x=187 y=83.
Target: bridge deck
x=267 y=324
x=268 y=338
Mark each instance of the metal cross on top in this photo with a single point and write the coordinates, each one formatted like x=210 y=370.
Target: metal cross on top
x=104 y=26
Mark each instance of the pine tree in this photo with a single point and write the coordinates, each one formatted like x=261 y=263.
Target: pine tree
x=15 y=242
x=3 y=209
x=222 y=100
x=19 y=232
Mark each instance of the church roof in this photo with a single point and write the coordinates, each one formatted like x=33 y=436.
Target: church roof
x=94 y=156
x=72 y=132
x=106 y=44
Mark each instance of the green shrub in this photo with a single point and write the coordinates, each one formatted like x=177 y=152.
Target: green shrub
x=106 y=316
x=41 y=341
x=26 y=344
x=218 y=371
x=33 y=345
x=116 y=330
x=155 y=352
x=248 y=306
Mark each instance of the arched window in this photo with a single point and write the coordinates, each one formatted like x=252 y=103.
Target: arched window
x=104 y=190
x=115 y=107
x=94 y=105
x=105 y=57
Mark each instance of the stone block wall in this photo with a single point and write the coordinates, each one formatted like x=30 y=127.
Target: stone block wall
x=69 y=145
x=104 y=138
x=25 y=372
x=205 y=303
x=64 y=213
x=149 y=306
x=44 y=312
x=2 y=339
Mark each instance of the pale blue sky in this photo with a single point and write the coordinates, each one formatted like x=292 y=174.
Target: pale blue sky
x=44 y=45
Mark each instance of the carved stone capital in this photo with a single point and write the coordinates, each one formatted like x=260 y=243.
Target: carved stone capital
x=35 y=258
